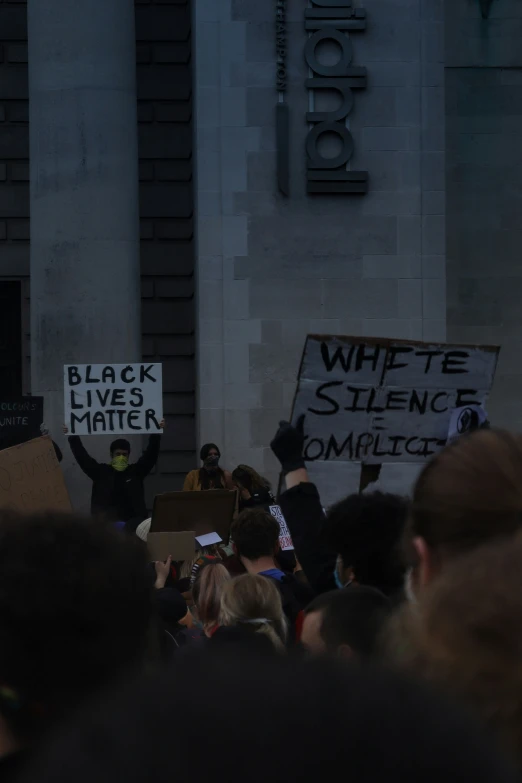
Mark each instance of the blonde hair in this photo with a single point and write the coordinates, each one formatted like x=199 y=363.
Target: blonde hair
x=255 y=601
x=206 y=592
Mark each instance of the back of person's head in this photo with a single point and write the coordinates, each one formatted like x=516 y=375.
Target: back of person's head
x=207 y=591
x=366 y=530
x=249 y=479
x=75 y=610
x=465 y=635
x=346 y=622
x=254 y=602
x=390 y=727
x=468 y=495
x=255 y=534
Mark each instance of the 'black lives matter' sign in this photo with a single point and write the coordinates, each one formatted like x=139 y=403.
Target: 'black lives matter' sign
x=375 y=401
x=123 y=399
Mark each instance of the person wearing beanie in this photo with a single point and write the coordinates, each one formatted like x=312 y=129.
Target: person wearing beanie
x=117 y=487
x=210 y=475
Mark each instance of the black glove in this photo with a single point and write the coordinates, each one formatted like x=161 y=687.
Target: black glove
x=288 y=445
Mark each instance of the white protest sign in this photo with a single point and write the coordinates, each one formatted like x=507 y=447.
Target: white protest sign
x=106 y=399
x=375 y=401
x=285 y=539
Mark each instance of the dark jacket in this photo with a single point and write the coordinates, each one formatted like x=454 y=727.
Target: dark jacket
x=303 y=511
x=118 y=494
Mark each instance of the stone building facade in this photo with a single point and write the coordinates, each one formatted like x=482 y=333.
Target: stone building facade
x=241 y=257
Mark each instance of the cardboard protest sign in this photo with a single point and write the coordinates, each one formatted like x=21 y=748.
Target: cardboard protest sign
x=179 y=546
x=375 y=401
x=285 y=539
x=21 y=418
x=202 y=512
x=113 y=399
x=31 y=478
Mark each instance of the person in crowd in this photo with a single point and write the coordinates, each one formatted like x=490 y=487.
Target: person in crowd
x=255 y=537
x=359 y=541
x=346 y=623
x=170 y=604
x=375 y=722
x=255 y=604
x=75 y=613
x=469 y=494
x=210 y=475
x=464 y=635
x=207 y=589
x=253 y=489
x=117 y=488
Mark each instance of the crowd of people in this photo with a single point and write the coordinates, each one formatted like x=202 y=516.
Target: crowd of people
x=386 y=641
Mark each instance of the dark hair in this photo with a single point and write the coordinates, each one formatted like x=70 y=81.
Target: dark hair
x=255 y=533
x=75 y=608
x=391 y=724
x=250 y=479
x=120 y=444
x=354 y=616
x=367 y=531
x=470 y=493
x=206 y=449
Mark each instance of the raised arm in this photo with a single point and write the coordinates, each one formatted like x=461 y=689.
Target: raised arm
x=303 y=510
x=150 y=456
x=87 y=463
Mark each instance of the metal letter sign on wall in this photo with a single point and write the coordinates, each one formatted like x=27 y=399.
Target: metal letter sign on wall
x=333 y=20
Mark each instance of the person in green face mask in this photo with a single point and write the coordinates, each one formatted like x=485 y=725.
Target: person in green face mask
x=117 y=487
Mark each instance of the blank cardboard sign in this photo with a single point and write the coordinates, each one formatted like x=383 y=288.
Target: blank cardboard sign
x=180 y=546
x=31 y=478
x=202 y=512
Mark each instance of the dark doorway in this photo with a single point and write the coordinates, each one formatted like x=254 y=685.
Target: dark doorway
x=10 y=339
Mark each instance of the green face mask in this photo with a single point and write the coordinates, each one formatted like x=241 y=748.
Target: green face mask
x=120 y=463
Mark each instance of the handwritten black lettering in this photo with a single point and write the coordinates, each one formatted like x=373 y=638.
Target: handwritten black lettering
x=103 y=397
x=339 y=450
x=396 y=401
x=74 y=376
x=364 y=442
x=455 y=362
x=118 y=397
x=138 y=394
x=124 y=375
x=430 y=355
x=372 y=356
x=417 y=403
x=108 y=375
x=98 y=422
x=371 y=408
x=145 y=373
x=435 y=399
x=150 y=415
x=79 y=420
x=322 y=396
x=338 y=357
x=392 y=354
x=308 y=455
x=356 y=391
x=131 y=418
x=462 y=394
x=88 y=376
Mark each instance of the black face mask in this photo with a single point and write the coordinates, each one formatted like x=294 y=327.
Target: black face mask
x=211 y=464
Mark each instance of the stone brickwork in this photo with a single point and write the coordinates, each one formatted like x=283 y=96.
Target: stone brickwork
x=14 y=160
x=484 y=190
x=164 y=68
x=272 y=268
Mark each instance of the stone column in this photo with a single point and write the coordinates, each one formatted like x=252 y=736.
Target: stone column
x=85 y=274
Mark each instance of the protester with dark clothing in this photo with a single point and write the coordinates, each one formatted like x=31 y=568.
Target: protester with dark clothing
x=255 y=537
x=75 y=612
x=346 y=623
x=358 y=541
x=117 y=488
x=275 y=719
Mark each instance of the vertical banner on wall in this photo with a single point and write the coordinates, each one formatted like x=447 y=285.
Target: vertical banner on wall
x=106 y=399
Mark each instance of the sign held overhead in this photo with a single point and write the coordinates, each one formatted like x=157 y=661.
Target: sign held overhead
x=106 y=399
x=377 y=400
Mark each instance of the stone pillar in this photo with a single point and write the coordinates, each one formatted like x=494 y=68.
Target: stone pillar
x=85 y=274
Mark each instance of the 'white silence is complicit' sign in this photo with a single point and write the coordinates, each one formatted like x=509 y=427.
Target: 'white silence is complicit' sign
x=375 y=401
x=124 y=399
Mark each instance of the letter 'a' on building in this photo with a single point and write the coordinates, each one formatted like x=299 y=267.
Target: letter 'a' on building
x=119 y=399
x=377 y=400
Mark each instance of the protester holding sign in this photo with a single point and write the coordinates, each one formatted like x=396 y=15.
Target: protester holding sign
x=210 y=475
x=117 y=487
